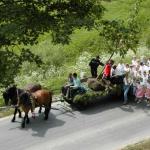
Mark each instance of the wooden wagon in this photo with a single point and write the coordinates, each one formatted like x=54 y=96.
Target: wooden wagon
x=95 y=94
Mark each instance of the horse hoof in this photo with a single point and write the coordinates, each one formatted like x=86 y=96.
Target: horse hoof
x=13 y=120
x=45 y=118
x=23 y=125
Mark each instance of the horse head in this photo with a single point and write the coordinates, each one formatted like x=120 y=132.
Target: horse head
x=10 y=95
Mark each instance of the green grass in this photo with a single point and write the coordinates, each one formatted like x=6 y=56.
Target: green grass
x=143 y=145
x=7 y=112
x=121 y=9
x=83 y=40
x=56 y=84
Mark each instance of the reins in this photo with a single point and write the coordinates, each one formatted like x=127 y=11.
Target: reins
x=18 y=100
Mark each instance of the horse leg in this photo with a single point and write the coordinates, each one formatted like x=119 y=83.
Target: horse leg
x=50 y=104
x=47 y=109
x=14 y=117
x=24 y=121
x=45 y=112
x=20 y=116
x=28 y=120
x=40 y=110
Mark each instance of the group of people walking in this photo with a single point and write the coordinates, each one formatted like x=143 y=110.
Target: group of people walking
x=140 y=79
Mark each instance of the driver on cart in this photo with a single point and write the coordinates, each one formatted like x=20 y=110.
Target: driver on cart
x=77 y=87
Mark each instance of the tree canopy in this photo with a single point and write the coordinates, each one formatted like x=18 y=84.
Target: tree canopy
x=22 y=21
x=121 y=36
x=10 y=64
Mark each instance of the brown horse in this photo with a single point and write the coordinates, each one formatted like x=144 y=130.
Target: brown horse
x=40 y=97
x=10 y=96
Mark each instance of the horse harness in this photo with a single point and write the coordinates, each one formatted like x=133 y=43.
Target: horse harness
x=33 y=98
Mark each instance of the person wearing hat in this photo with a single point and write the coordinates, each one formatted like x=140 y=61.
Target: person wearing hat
x=94 y=63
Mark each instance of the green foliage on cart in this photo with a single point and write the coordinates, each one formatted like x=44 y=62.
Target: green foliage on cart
x=92 y=97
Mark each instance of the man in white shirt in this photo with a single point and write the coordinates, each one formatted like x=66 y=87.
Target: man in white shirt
x=117 y=74
x=120 y=69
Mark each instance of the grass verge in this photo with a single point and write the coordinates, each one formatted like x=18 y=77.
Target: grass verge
x=143 y=145
x=6 y=112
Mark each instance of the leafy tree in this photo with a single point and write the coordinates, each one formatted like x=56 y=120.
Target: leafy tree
x=120 y=36
x=23 y=21
x=10 y=64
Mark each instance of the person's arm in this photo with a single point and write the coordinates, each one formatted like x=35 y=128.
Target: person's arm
x=111 y=72
x=91 y=62
x=77 y=84
x=74 y=84
x=100 y=63
x=125 y=81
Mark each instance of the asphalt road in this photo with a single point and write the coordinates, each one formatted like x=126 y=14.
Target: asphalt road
x=107 y=126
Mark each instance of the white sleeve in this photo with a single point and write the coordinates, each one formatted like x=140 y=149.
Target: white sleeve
x=125 y=81
x=111 y=72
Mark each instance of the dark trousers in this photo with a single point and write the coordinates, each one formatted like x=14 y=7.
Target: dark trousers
x=64 y=90
x=94 y=72
x=117 y=80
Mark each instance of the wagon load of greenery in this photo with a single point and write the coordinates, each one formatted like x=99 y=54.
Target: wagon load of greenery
x=98 y=92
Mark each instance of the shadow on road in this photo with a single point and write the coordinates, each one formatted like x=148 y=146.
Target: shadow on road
x=102 y=105
x=38 y=125
x=108 y=104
